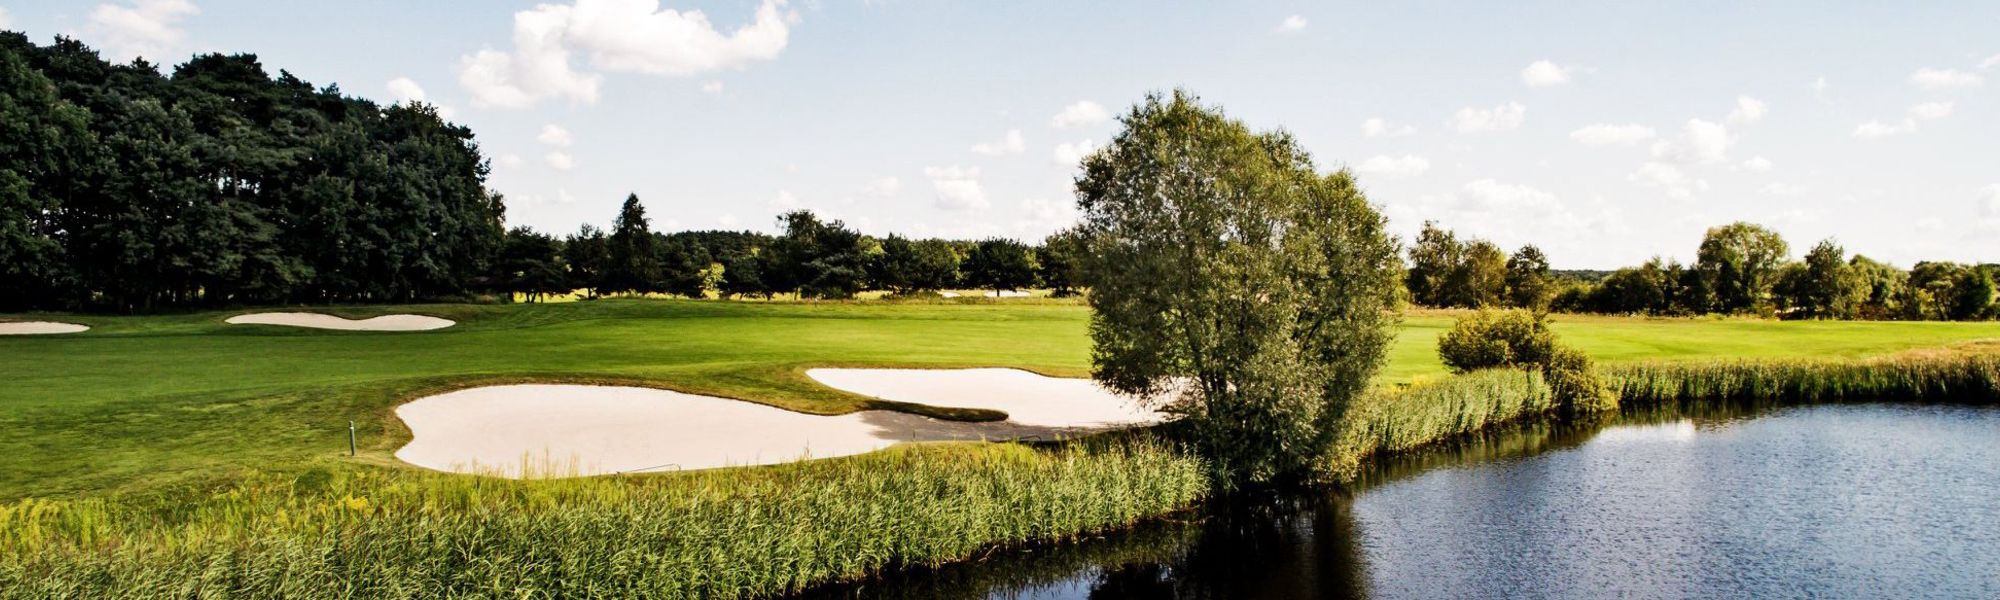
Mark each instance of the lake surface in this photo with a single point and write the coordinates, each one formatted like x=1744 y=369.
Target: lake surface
x=1852 y=501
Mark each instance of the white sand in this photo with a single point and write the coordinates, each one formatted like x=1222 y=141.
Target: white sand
x=39 y=328
x=1007 y=294
x=1028 y=399
x=319 y=321
x=948 y=294
x=593 y=430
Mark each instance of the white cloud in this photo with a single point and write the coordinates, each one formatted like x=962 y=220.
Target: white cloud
x=712 y=87
x=1878 y=129
x=1667 y=177
x=563 y=197
x=404 y=89
x=1376 y=127
x=1041 y=216
x=1748 y=110
x=148 y=28
x=1819 y=88
x=1499 y=118
x=1700 y=142
x=1011 y=143
x=1784 y=189
x=1990 y=62
x=1758 y=164
x=1080 y=114
x=957 y=187
x=560 y=161
x=634 y=36
x=785 y=201
x=510 y=160
x=554 y=135
x=726 y=221
x=1292 y=24
x=6 y=20
x=1931 y=110
x=1490 y=195
x=883 y=187
x=1408 y=165
x=1989 y=200
x=1544 y=73
x=1604 y=134
x=1070 y=153
x=1922 y=112
x=1937 y=79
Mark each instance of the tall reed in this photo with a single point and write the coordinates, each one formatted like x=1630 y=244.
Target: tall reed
x=1925 y=377
x=368 y=532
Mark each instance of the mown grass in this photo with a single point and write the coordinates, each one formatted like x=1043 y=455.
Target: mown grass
x=178 y=456
x=345 y=532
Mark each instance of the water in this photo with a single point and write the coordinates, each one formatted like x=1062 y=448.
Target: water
x=1857 y=501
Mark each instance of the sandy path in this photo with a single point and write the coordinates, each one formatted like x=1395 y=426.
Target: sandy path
x=593 y=430
x=1028 y=399
x=39 y=328
x=319 y=321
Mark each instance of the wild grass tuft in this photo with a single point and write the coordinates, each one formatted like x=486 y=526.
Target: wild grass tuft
x=344 y=531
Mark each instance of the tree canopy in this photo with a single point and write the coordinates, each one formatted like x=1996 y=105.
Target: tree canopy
x=1234 y=282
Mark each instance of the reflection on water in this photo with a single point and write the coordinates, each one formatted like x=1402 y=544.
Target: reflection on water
x=1831 y=501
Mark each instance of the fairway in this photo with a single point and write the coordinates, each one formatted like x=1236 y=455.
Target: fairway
x=215 y=397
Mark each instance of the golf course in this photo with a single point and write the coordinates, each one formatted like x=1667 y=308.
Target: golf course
x=215 y=397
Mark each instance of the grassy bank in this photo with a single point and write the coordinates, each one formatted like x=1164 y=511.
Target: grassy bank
x=345 y=532
x=176 y=456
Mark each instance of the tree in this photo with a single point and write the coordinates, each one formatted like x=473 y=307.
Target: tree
x=1000 y=264
x=1883 y=287
x=586 y=255
x=1739 y=262
x=1061 y=258
x=1433 y=262
x=1234 y=283
x=1480 y=280
x=818 y=259
x=531 y=265
x=1529 y=284
x=1521 y=339
x=1823 y=286
x=633 y=264
x=908 y=267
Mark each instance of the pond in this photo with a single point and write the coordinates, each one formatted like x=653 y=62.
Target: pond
x=1846 y=501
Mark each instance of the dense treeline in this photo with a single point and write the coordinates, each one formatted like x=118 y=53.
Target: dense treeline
x=122 y=188
x=1739 y=268
x=812 y=258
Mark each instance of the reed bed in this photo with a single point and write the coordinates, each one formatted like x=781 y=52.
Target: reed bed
x=1400 y=419
x=346 y=531
x=1922 y=377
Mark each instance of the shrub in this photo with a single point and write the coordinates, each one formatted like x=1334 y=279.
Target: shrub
x=1522 y=339
x=1497 y=338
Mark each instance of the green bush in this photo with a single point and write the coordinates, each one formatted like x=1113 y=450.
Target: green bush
x=1521 y=339
x=1497 y=338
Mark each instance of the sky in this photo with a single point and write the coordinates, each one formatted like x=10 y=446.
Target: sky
x=1606 y=133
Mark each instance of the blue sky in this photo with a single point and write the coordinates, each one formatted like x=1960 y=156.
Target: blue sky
x=1605 y=133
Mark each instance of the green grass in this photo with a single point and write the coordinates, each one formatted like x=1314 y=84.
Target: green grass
x=179 y=456
x=144 y=402
x=343 y=532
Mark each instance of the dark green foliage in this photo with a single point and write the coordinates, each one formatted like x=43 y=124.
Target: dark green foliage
x=1824 y=286
x=1062 y=258
x=127 y=190
x=1433 y=260
x=632 y=258
x=531 y=265
x=1529 y=284
x=819 y=259
x=908 y=266
x=1000 y=264
x=1521 y=339
x=1234 y=283
x=1738 y=263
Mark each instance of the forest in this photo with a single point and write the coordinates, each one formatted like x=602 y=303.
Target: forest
x=125 y=189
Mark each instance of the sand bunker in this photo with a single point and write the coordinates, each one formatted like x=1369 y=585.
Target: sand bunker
x=594 y=430
x=1008 y=294
x=39 y=328
x=1028 y=399
x=319 y=321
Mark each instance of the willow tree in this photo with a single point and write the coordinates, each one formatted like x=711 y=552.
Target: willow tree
x=1234 y=284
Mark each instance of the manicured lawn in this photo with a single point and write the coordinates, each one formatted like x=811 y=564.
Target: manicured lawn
x=139 y=402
